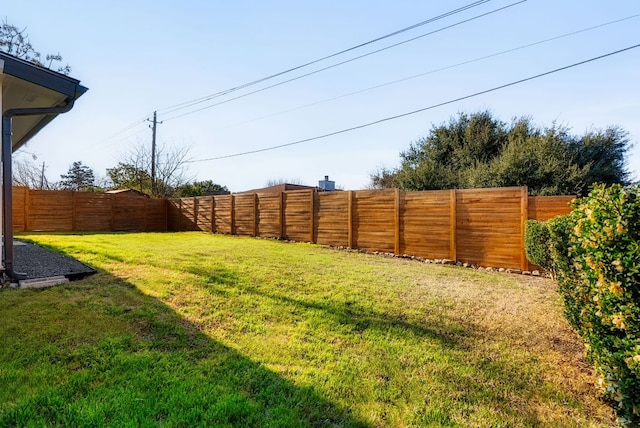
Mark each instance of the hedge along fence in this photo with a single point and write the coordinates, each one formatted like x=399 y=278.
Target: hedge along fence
x=594 y=254
x=65 y=211
x=479 y=226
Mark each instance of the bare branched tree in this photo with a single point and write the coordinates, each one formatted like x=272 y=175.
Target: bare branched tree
x=282 y=180
x=381 y=178
x=16 y=42
x=134 y=170
x=28 y=173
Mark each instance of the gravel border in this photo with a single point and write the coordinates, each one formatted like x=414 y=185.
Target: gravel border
x=38 y=262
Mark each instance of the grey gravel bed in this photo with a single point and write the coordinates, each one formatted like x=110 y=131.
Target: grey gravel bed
x=38 y=262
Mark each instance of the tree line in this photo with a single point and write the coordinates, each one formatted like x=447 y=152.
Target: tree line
x=132 y=172
x=479 y=150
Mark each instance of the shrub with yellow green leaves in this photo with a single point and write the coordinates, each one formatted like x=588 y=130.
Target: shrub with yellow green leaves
x=596 y=252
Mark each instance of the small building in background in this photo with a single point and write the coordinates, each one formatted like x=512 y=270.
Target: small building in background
x=127 y=192
x=326 y=185
x=283 y=187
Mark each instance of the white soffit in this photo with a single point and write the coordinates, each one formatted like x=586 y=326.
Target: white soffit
x=17 y=93
x=25 y=85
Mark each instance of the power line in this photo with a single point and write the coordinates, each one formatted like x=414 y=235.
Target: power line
x=386 y=119
x=298 y=67
x=335 y=65
x=123 y=130
x=190 y=103
x=404 y=79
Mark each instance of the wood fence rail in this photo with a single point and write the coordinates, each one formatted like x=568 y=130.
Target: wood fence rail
x=64 y=211
x=479 y=226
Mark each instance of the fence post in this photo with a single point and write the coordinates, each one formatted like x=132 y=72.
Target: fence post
x=350 y=219
x=255 y=215
x=25 y=209
x=195 y=212
x=282 y=215
x=113 y=213
x=524 y=215
x=145 y=226
x=212 y=227
x=181 y=220
x=232 y=215
x=73 y=211
x=312 y=215
x=396 y=220
x=166 y=215
x=453 y=216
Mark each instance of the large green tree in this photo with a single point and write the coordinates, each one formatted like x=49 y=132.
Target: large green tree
x=479 y=150
x=127 y=176
x=79 y=178
x=200 y=188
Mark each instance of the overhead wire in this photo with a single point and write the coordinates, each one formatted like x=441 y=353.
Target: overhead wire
x=336 y=64
x=187 y=104
x=125 y=129
x=390 y=118
x=448 y=67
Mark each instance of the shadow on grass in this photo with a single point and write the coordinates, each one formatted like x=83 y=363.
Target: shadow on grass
x=506 y=386
x=348 y=312
x=100 y=353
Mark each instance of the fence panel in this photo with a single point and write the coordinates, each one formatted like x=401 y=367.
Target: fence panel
x=297 y=215
x=223 y=214
x=128 y=213
x=93 y=212
x=332 y=218
x=203 y=213
x=50 y=211
x=19 y=211
x=174 y=215
x=546 y=207
x=269 y=215
x=189 y=220
x=374 y=220
x=244 y=214
x=426 y=224
x=489 y=227
x=156 y=215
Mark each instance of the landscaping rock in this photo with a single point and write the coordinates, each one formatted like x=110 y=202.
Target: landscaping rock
x=38 y=262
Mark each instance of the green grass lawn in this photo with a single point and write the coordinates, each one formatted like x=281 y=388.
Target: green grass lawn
x=193 y=329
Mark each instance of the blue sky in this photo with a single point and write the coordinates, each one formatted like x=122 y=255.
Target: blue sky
x=141 y=56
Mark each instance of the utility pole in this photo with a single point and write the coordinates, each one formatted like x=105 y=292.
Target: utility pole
x=153 y=154
x=42 y=177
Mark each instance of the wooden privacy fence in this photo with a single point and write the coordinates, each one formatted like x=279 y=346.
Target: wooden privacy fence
x=64 y=211
x=479 y=226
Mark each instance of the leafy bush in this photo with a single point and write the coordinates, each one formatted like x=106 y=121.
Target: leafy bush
x=560 y=229
x=596 y=253
x=537 y=244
